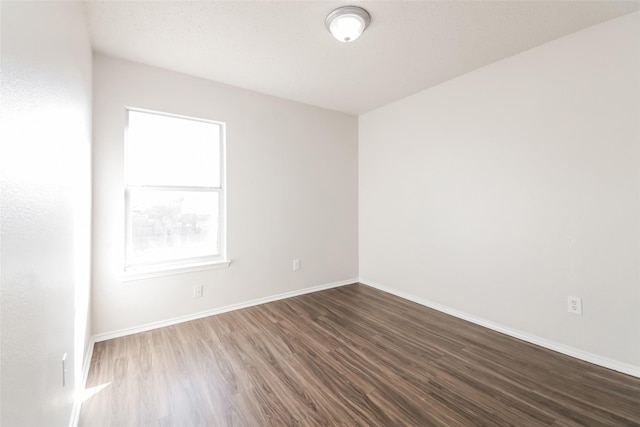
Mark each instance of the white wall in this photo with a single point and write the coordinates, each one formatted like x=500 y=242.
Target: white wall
x=292 y=193
x=45 y=201
x=501 y=192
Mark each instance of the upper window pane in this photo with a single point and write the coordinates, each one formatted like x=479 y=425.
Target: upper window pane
x=166 y=150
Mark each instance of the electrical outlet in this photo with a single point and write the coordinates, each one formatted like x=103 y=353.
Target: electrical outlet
x=64 y=370
x=197 y=291
x=574 y=305
x=296 y=264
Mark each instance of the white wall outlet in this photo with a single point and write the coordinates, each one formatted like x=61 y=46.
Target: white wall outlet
x=574 y=305
x=64 y=369
x=296 y=264
x=197 y=291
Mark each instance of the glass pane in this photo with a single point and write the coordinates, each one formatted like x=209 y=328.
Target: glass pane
x=164 y=150
x=169 y=225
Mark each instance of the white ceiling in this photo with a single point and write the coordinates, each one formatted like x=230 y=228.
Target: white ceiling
x=283 y=49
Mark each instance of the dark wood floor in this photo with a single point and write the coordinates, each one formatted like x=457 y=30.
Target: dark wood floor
x=350 y=356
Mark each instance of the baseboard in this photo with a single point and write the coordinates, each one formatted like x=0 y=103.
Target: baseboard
x=207 y=313
x=551 y=345
x=533 y=339
x=86 y=364
x=75 y=411
x=78 y=399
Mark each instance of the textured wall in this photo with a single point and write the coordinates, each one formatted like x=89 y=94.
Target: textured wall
x=502 y=192
x=292 y=193
x=45 y=202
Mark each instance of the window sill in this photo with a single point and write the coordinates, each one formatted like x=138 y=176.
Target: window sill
x=159 y=271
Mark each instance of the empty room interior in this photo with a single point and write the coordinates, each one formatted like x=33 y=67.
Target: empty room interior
x=320 y=213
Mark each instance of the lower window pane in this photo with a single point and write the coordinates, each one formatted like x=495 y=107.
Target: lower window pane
x=166 y=225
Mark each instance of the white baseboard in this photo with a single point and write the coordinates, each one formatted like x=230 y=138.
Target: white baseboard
x=551 y=345
x=533 y=339
x=86 y=364
x=77 y=401
x=207 y=313
x=75 y=411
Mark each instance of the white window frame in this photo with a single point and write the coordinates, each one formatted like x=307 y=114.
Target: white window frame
x=183 y=265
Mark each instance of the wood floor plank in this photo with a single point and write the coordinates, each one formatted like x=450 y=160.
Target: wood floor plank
x=349 y=356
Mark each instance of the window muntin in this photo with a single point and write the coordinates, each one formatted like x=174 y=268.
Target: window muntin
x=174 y=195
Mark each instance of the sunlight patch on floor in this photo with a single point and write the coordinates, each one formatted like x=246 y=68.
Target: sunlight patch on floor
x=84 y=395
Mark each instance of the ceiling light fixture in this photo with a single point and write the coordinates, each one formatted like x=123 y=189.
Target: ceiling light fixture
x=347 y=23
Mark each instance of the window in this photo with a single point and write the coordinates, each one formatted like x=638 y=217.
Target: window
x=174 y=192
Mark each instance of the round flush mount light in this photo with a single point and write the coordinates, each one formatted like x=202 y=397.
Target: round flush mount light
x=347 y=23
